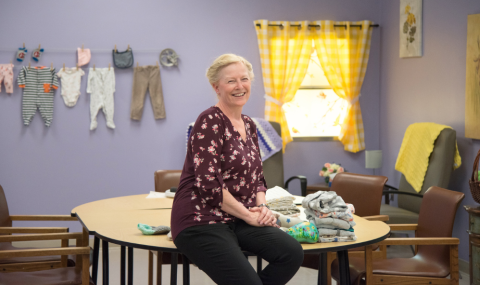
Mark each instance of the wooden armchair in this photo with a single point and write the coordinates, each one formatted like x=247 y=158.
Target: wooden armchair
x=66 y=275
x=30 y=263
x=365 y=193
x=436 y=250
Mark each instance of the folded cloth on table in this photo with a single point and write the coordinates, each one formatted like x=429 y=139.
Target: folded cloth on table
x=336 y=239
x=325 y=202
x=331 y=222
x=344 y=215
x=335 y=228
x=338 y=233
x=277 y=193
x=286 y=210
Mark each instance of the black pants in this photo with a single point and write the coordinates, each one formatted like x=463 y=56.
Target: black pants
x=217 y=250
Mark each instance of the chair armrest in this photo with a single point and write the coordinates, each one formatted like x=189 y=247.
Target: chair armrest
x=403 y=227
x=54 y=236
x=390 y=187
x=31 y=230
x=381 y=218
x=42 y=218
x=421 y=241
x=303 y=183
x=45 y=252
x=402 y=193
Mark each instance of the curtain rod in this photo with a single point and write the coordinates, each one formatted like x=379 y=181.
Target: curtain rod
x=316 y=26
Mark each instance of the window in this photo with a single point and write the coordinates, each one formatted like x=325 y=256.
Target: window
x=316 y=111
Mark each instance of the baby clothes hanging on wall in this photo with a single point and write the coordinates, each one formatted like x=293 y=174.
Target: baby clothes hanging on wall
x=39 y=84
x=147 y=77
x=101 y=86
x=70 y=78
x=6 y=75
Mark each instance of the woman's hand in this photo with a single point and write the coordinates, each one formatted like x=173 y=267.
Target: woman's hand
x=265 y=216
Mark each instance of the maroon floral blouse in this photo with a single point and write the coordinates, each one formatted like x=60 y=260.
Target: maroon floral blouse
x=217 y=157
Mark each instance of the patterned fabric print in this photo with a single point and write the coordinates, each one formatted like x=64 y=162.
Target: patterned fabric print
x=101 y=86
x=217 y=157
x=285 y=55
x=39 y=84
x=343 y=54
x=6 y=75
x=71 y=78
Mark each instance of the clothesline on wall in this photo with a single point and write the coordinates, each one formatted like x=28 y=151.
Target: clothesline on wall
x=75 y=50
x=318 y=26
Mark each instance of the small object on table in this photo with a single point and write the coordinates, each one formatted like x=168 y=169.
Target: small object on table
x=149 y=230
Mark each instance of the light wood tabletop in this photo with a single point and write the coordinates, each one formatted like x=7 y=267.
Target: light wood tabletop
x=115 y=220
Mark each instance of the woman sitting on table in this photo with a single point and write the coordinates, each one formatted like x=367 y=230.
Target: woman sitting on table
x=219 y=208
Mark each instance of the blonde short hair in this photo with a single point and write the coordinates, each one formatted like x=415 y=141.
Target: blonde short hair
x=224 y=60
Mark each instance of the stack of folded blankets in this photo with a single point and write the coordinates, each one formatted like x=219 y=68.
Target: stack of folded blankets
x=281 y=201
x=331 y=215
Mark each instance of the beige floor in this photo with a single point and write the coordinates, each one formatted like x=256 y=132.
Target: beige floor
x=197 y=277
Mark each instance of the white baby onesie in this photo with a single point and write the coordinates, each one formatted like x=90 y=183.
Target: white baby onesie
x=101 y=86
x=70 y=79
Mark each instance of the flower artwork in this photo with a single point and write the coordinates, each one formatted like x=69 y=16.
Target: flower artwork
x=330 y=168
x=410 y=28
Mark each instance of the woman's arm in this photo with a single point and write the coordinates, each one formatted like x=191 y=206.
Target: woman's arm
x=235 y=208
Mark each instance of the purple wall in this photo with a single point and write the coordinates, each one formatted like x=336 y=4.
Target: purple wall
x=428 y=89
x=52 y=170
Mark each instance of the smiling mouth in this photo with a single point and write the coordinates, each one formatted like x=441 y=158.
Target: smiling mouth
x=239 y=94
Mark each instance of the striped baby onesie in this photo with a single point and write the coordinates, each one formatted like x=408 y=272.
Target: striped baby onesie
x=39 y=84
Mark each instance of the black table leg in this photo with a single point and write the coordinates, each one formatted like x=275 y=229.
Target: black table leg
x=186 y=270
x=105 y=261
x=96 y=250
x=173 y=272
x=343 y=267
x=122 y=265
x=130 y=266
x=259 y=264
x=322 y=269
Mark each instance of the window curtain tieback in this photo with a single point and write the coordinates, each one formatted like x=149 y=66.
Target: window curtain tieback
x=354 y=100
x=273 y=100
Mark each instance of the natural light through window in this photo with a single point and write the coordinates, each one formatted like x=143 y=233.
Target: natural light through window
x=316 y=110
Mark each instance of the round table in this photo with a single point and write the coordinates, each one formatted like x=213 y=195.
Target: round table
x=115 y=220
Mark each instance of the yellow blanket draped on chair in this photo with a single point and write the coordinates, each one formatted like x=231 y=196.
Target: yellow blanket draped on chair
x=415 y=151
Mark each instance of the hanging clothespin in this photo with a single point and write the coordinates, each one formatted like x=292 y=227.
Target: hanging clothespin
x=23 y=45
x=39 y=46
x=128 y=47
x=108 y=66
x=29 y=65
x=115 y=48
x=82 y=47
x=77 y=66
x=157 y=63
x=64 y=67
x=51 y=66
x=94 y=67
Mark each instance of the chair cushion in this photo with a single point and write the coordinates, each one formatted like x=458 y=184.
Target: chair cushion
x=59 y=276
x=398 y=215
x=415 y=266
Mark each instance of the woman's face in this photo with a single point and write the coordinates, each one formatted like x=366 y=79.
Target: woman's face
x=233 y=86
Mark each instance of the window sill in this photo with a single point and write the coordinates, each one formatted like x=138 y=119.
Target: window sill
x=314 y=139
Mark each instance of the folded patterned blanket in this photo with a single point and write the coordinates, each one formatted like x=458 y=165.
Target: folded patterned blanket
x=336 y=239
x=330 y=222
x=324 y=202
x=337 y=233
x=344 y=215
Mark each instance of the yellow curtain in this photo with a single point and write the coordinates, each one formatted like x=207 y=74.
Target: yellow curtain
x=285 y=54
x=343 y=54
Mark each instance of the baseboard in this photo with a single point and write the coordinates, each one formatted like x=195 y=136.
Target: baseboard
x=463 y=266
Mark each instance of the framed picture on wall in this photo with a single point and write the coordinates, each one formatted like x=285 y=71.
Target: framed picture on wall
x=411 y=42
x=472 y=82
